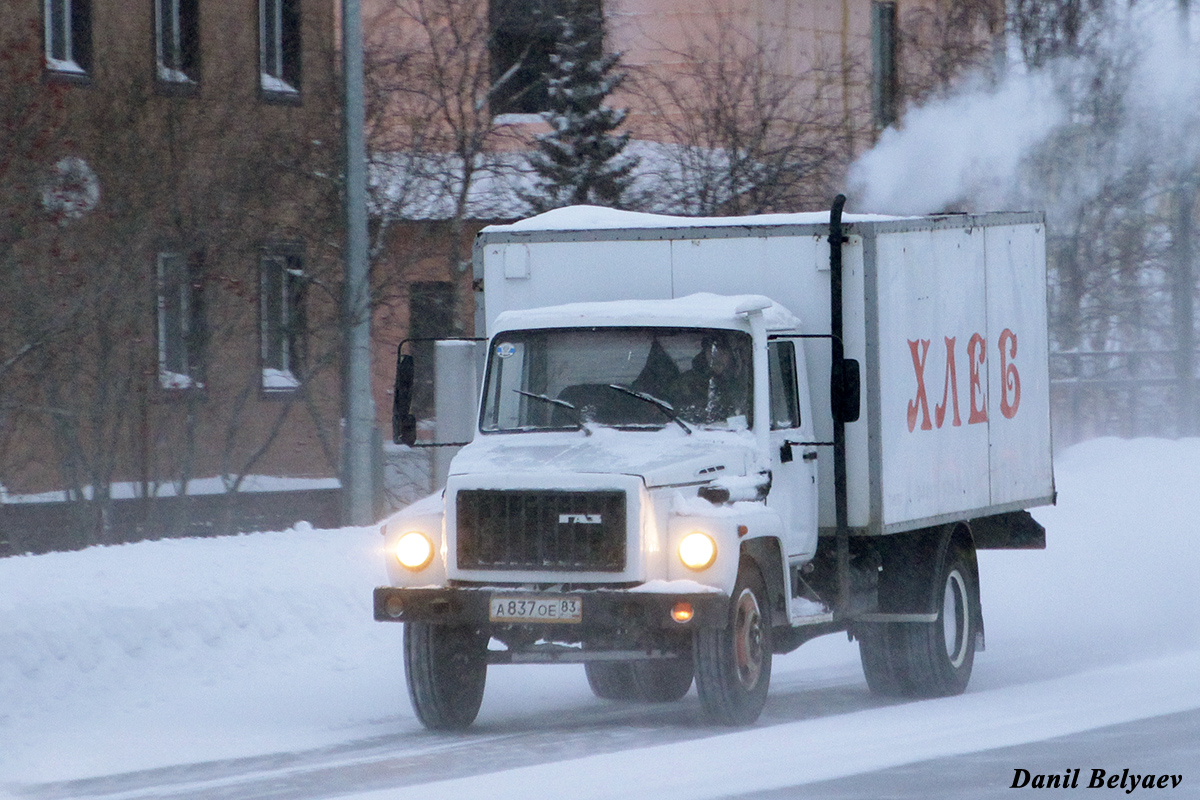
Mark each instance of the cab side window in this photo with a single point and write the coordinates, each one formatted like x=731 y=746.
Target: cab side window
x=785 y=404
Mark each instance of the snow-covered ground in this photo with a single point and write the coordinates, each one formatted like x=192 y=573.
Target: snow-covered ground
x=182 y=651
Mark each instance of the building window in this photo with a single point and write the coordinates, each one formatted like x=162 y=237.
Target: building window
x=279 y=46
x=281 y=321
x=885 y=79
x=523 y=37
x=68 y=34
x=177 y=40
x=181 y=326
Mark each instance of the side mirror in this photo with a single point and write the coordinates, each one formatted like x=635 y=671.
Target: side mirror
x=845 y=390
x=404 y=424
x=851 y=390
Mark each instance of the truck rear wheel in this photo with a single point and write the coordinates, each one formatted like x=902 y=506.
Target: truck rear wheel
x=733 y=664
x=611 y=680
x=646 y=681
x=446 y=666
x=663 y=681
x=928 y=659
x=882 y=659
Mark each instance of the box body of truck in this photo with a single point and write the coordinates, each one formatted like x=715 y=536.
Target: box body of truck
x=928 y=305
x=942 y=325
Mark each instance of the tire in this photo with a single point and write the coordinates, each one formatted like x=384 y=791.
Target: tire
x=663 y=681
x=611 y=680
x=640 y=681
x=928 y=659
x=943 y=652
x=446 y=667
x=733 y=664
x=876 y=650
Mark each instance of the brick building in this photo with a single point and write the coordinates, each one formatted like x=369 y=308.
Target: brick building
x=170 y=231
x=169 y=251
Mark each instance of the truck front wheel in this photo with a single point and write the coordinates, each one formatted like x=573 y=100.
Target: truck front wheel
x=733 y=664
x=928 y=659
x=446 y=666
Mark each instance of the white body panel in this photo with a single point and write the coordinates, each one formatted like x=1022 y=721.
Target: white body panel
x=921 y=280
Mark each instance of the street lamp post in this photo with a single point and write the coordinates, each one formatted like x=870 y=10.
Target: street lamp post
x=358 y=480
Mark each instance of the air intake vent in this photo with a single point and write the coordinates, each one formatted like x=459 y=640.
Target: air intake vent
x=541 y=530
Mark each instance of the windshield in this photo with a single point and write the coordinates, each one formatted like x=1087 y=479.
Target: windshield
x=563 y=378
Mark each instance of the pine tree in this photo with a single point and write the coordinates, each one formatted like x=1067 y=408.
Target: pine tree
x=581 y=160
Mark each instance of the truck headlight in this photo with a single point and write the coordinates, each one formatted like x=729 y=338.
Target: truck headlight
x=414 y=550
x=697 y=550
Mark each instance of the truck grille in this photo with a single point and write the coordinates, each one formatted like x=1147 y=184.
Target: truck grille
x=541 y=530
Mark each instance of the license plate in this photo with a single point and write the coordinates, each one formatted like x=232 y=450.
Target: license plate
x=535 y=608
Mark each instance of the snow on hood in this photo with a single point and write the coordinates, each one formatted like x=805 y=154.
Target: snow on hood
x=700 y=310
x=661 y=458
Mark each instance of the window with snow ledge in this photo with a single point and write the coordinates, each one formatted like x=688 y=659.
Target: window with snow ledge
x=177 y=42
x=519 y=119
x=67 y=32
x=279 y=48
x=281 y=320
x=175 y=380
x=279 y=380
x=181 y=321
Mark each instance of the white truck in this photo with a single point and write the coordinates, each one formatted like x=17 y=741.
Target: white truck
x=701 y=442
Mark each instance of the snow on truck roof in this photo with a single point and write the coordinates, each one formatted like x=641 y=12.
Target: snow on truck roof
x=701 y=310
x=580 y=218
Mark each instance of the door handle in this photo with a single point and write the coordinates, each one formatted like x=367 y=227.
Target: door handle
x=785 y=450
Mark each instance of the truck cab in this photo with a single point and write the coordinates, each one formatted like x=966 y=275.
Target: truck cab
x=634 y=463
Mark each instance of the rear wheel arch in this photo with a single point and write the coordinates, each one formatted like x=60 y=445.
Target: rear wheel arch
x=906 y=556
x=933 y=571
x=963 y=539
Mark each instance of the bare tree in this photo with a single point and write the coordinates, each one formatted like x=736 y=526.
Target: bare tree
x=209 y=182
x=31 y=141
x=431 y=130
x=941 y=43
x=744 y=134
x=436 y=149
x=1117 y=178
x=1048 y=29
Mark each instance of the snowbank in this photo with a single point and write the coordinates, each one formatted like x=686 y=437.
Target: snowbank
x=137 y=655
x=178 y=651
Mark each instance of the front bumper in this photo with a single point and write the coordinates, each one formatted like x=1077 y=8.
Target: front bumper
x=602 y=609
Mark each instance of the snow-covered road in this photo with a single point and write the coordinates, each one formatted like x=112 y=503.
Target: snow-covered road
x=250 y=667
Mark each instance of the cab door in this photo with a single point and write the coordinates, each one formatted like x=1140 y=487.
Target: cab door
x=793 y=465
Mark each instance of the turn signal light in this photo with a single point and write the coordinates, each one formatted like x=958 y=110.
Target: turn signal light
x=414 y=550
x=682 y=611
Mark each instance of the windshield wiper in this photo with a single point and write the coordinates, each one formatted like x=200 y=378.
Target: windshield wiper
x=661 y=405
x=545 y=398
